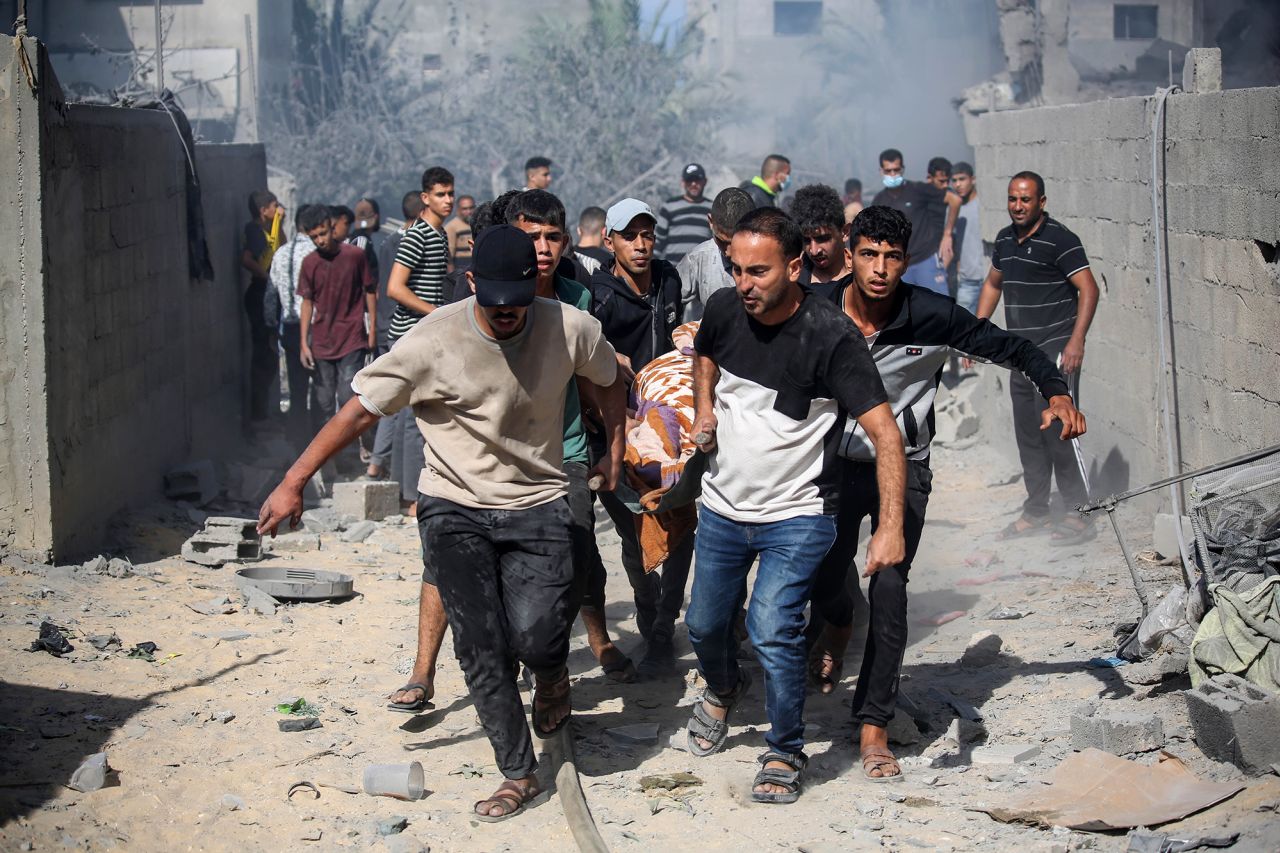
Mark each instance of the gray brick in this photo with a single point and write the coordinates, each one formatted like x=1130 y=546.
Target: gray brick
x=1236 y=721
x=364 y=500
x=1118 y=732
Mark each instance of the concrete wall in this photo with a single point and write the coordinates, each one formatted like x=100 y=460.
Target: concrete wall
x=1223 y=199
x=132 y=366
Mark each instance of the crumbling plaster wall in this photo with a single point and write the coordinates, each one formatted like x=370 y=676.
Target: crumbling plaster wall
x=1223 y=202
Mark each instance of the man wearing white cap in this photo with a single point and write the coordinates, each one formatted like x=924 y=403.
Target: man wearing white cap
x=637 y=301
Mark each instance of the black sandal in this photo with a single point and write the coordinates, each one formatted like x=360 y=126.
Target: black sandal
x=703 y=725
x=552 y=696
x=788 y=779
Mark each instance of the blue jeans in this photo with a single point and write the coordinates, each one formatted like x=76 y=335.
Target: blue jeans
x=967 y=294
x=790 y=552
x=929 y=274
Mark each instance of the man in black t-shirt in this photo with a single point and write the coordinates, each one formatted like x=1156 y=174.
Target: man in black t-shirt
x=1052 y=297
x=932 y=208
x=777 y=371
x=828 y=263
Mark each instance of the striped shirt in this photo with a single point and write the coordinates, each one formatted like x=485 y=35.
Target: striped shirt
x=424 y=250
x=1039 y=302
x=682 y=225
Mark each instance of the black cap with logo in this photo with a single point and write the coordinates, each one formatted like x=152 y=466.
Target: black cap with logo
x=694 y=172
x=504 y=265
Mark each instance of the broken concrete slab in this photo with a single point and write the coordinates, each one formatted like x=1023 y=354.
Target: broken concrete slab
x=299 y=724
x=217 y=606
x=257 y=601
x=224 y=540
x=1236 y=721
x=323 y=520
x=196 y=482
x=359 y=531
x=1005 y=753
x=367 y=500
x=1114 y=731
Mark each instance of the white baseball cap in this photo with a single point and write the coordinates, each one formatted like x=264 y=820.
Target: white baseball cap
x=620 y=215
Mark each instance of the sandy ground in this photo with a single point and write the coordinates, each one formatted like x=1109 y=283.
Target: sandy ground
x=187 y=781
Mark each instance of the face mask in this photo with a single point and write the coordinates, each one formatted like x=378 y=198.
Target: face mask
x=364 y=223
x=786 y=182
x=892 y=181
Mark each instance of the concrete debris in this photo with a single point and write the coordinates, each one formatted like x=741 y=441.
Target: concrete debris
x=112 y=567
x=367 y=500
x=91 y=775
x=1236 y=721
x=983 y=649
x=323 y=520
x=195 y=482
x=404 y=844
x=903 y=730
x=961 y=707
x=392 y=825
x=1118 y=732
x=301 y=542
x=637 y=733
x=232 y=635
x=104 y=642
x=1005 y=753
x=224 y=540
x=223 y=717
x=359 y=531
x=299 y=724
x=1202 y=70
x=965 y=732
x=1003 y=614
x=258 y=601
x=217 y=606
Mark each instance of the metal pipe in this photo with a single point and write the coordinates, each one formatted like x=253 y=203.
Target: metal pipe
x=159 y=51
x=1252 y=456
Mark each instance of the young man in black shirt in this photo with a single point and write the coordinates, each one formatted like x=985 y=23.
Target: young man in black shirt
x=911 y=332
x=1052 y=298
x=932 y=209
x=777 y=372
x=590 y=241
x=828 y=264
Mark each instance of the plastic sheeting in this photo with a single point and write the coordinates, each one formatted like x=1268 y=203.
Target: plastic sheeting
x=1241 y=635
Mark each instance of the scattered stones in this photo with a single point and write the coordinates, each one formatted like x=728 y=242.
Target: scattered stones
x=257 y=601
x=367 y=500
x=91 y=774
x=636 y=733
x=962 y=732
x=104 y=642
x=1005 y=753
x=1236 y=721
x=301 y=542
x=1002 y=613
x=217 y=606
x=983 y=650
x=312 y=834
x=1117 y=732
x=224 y=540
x=222 y=716
x=359 y=531
x=299 y=724
x=392 y=825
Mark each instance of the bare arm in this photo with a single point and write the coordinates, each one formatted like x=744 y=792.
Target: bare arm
x=887 y=547
x=946 y=251
x=371 y=308
x=611 y=401
x=286 y=501
x=304 y=351
x=992 y=288
x=1073 y=352
x=705 y=375
x=398 y=290
x=249 y=262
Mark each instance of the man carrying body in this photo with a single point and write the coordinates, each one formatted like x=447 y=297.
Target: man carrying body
x=537 y=173
x=852 y=199
x=910 y=332
x=972 y=261
x=682 y=220
x=637 y=301
x=457 y=232
x=590 y=241
x=932 y=211
x=774 y=177
x=486 y=379
x=706 y=269
x=828 y=263
x=776 y=373
x=1052 y=299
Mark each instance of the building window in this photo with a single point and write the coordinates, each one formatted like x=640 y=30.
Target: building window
x=794 y=18
x=432 y=62
x=1136 y=22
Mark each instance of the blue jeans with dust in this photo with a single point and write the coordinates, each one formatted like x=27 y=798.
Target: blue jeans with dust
x=928 y=273
x=790 y=552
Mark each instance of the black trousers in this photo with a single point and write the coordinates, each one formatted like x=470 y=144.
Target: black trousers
x=505 y=578
x=659 y=595
x=876 y=695
x=1044 y=455
x=263 y=353
x=588 y=569
x=298 y=427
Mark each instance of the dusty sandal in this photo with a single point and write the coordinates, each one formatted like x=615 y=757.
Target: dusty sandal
x=825 y=671
x=878 y=759
x=415 y=706
x=510 y=797
x=1033 y=527
x=703 y=725
x=787 y=779
x=1069 y=534
x=620 y=669
x=548 y=698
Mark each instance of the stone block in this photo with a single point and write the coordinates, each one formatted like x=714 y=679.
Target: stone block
x=1202 y=70
x=224 y=540
x=367 y=501
x=1117 y=732
x=295 y=543
x=196 y=482
x=359 y=531
x=1005 y=753
x=1236 y=721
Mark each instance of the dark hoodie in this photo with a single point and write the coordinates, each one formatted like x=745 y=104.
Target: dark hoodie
x=638 y=326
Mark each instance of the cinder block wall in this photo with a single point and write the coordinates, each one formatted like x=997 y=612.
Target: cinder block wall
x=1223 y=202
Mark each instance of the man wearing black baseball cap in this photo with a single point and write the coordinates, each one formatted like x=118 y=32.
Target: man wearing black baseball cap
x=682 y=220
x=486 y=378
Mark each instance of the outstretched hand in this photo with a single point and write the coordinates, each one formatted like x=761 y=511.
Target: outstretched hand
x=283 y=503
x=1062 y=409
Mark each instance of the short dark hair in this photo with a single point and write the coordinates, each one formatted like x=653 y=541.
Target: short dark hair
x=776 y=225
x=481 y=218
x=817 y=206
x=962 y=168
x=890 y=155
x=939 y=164
x=458 y=200
x=772 y=164
x=591 y=219
x=852 y=185
x=500 y=204
x=1030 y=176
x=341 y=211
x=881 y=224
x=372 y=202
x=297 y=217
x=411 y=205
x=259 y=199
x=537 y=206
x=537 y=163
x=436 y=175
x=729 y=206
x=313 y=216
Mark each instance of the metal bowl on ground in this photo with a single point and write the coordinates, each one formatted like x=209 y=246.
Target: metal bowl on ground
x=297 y=584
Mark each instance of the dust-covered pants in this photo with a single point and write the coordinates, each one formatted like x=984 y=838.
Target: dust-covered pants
x=1044 y=455
x=505 y=579
x=877 y=692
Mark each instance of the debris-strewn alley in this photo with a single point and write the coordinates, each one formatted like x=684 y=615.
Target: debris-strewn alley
x=192 y=729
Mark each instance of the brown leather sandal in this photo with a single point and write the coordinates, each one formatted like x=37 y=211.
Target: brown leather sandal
x=510 y=797
x=877 y=758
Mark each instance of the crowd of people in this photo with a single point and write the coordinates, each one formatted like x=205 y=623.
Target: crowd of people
x=506 y=371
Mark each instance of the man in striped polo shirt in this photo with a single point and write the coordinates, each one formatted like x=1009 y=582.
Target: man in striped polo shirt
x=1043 y=269
x=682 y=221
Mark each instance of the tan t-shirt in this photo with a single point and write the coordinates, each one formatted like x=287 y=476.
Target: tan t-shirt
x=458 y=233
x=492 y=412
